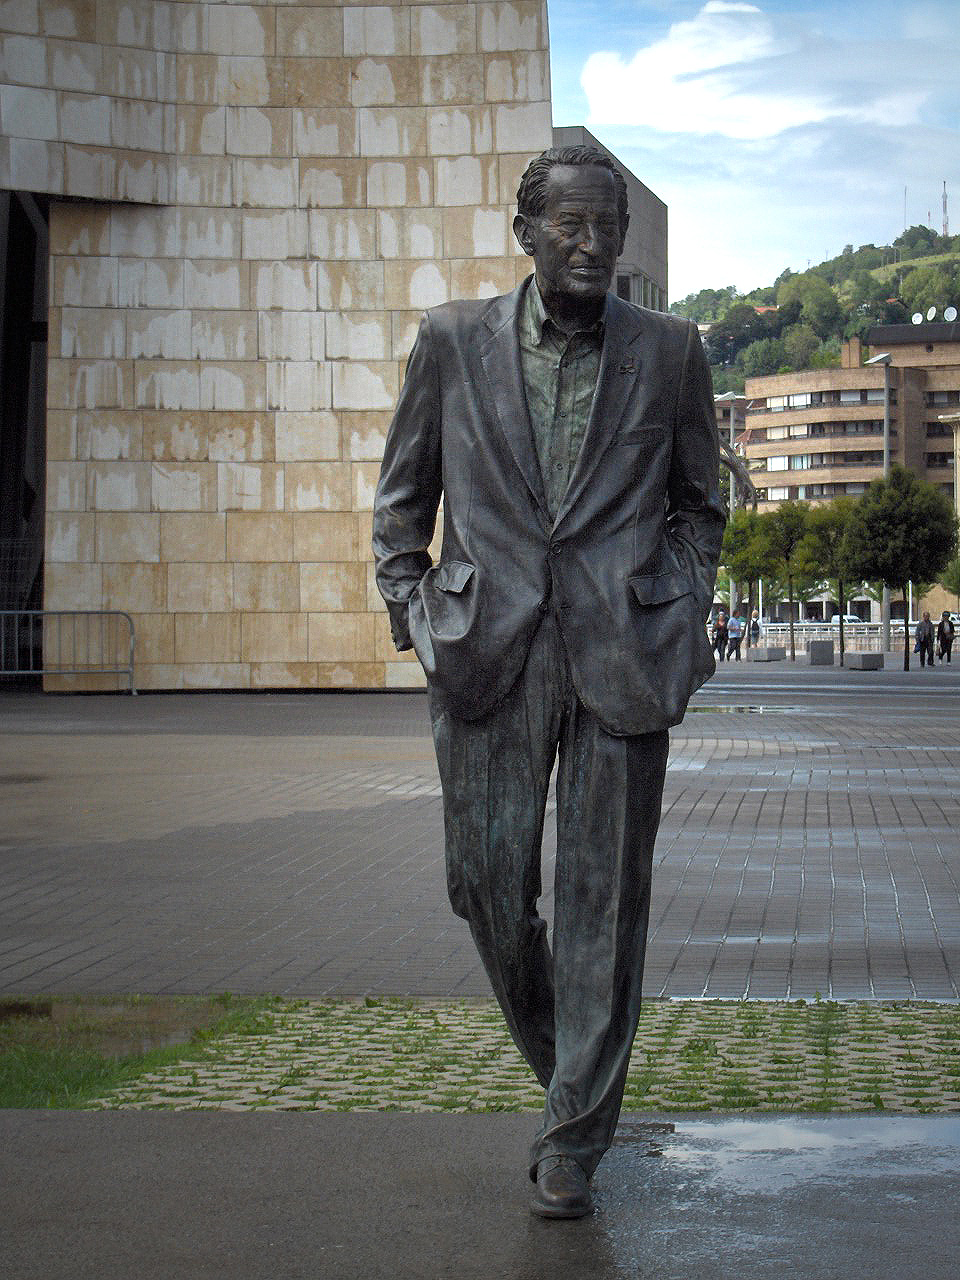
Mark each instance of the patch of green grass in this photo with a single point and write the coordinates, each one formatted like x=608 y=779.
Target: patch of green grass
x=93 y=1046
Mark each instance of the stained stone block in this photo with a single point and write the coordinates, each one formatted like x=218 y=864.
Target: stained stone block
x=202 y=131
x=307 y=436
x=482 y=277
x=267 y=588
x=309 y=31
x=183 y=486
x=284 y=675
x=286 y=286
x=275 y=233
x=91 y=332
x=317 y=486
x=128 y=537
x=207 y=637
x=28 y=113
x=268 y=184
x=350 y=286
x=364 y=435
x=454 y=79
x=459 y=131
x=85 y=282
x=258 y=131
x=188 y=538
x=158 y=283
x=467 y=180
x=41 y=165
x=69 y=537
x=167 y=384
x=223 y=335
x=524 y=127
x=238 y=384
x=332 y=183
x=163 y=335
x=135 y=588
x=517 y=77
x=178 y=436
x=204 y=180
x=361 y=384
x=393 y=131
x=358 y=335
x=72 y=65
x=383 y=81
x=317 y=82
x=200 y=587
x=416 y=285
x=249 y=486
x=339 y=637
x=322 y=535
x=215 y=283
x=266 y=536
x=376 y=29
x=109 y=435
x=66 y=486
x=240 y=436
x=118 y=486
x=475 y=232
x=443 y=29
x=275 y=637
x=337 y=236
x=333 y=588
x=365 y=476
x=298 y=384
x=399 y=183
x=509 y=26
x=73 y=586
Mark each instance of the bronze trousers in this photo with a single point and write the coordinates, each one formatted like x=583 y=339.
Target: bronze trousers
x=572 y=1009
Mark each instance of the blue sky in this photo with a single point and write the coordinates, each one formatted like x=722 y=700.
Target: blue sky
x=775 y=132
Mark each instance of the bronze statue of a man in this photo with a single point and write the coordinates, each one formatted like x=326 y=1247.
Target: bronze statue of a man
x=572 y=437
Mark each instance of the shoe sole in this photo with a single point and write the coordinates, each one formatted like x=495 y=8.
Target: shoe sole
x=550 y=1211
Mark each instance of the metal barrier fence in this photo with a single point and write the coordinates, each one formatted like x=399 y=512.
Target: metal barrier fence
x=858 y=637
x=44 y=642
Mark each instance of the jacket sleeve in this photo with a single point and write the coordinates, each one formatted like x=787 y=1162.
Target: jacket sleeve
x=408 y=493
x=696 y=514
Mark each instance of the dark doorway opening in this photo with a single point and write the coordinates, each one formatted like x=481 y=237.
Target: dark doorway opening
x=24 y=259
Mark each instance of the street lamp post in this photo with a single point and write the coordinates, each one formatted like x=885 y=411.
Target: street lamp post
x=884 y=359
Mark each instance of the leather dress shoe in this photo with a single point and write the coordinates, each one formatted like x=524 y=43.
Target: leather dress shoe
x=562 y=1189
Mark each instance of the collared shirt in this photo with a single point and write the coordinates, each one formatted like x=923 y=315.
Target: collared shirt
x=559 y=377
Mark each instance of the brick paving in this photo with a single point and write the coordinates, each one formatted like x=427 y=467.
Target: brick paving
x=292 y=844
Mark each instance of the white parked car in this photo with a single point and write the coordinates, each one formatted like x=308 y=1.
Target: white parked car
x=847 y=619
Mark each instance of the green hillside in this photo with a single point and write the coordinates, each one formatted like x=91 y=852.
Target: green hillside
x=800 y=320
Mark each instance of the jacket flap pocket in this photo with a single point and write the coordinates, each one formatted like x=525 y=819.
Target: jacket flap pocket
x=658 y=588
x=452 y=576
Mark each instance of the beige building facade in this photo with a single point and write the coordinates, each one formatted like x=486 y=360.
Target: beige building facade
x=248 y=206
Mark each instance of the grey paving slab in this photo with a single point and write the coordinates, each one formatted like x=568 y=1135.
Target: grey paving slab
x=292 y=843
x=400 y=1197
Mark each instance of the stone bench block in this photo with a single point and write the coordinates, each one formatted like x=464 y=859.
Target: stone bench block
x=820 y=653
x=767 y=653
x=863 y=661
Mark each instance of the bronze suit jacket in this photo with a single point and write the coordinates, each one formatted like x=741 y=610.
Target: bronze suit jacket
x=629 y=562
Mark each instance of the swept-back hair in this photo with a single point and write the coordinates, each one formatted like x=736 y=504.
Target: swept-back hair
x=532 y=192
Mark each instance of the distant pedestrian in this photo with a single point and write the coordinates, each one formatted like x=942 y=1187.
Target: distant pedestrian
x=755 y=627
x=924 y=638
x=944 y=636
x=734 y=637
x=720 y=635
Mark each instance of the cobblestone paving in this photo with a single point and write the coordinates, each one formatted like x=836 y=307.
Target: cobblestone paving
x=457 y=1056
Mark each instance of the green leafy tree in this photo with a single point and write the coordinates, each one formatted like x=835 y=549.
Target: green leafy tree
x=768 y=355
x=902 y=530
x=808 y=298
x=925 y=287
x=800 y=342
x=746 y=553
x=739 y=327
x=950 y=578
x=825 y=550
x=785 y=528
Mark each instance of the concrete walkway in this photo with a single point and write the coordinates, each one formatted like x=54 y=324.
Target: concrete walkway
x=292 y=843
x=112 y=1196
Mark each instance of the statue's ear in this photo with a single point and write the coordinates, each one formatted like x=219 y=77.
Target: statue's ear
x=523 y=230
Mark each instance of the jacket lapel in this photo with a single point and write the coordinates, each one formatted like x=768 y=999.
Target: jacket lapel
x=500 y=358
x=620 y=365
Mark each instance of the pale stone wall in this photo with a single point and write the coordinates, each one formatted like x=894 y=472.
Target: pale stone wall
x=225 y=352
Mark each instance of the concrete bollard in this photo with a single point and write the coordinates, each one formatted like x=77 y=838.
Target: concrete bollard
x=863 y=661
x=820 y=653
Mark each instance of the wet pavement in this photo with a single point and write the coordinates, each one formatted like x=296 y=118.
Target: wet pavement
x=292 y=843
x=115 y=1195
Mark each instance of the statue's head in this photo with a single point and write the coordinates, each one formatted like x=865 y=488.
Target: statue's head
x=572 y=219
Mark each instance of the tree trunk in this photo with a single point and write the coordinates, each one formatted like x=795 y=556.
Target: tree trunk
x=906 y=629
x=842 y=604
x=793 y=651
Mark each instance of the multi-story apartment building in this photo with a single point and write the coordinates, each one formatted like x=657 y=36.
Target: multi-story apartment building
x=819 y=433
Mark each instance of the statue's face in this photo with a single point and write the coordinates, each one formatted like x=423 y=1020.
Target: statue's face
x=576 y=240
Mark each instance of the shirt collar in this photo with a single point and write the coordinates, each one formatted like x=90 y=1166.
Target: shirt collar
x=536 y=316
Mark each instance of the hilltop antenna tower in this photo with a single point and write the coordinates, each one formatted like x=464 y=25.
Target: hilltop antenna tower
x=946 y=220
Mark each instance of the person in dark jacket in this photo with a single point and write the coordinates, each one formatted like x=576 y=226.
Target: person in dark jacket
x=945 y=630
x=924 y=638
x=720 y=636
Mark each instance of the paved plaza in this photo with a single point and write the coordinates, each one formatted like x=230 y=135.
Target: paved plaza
x=292 y=843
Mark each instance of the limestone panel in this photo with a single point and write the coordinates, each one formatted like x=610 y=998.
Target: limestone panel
x=240 y=437
x=475 y=233
x=364 y=435
x=335 y=235
x=236 y=384
x=284 y=675
x=223 y=335
x=303 y=436
x=69 y=538
x=445 y=80
x=193 y=538
x=377 y=82
x=266 y=588
x=333 y=184
x=292 y=335
x=248 y=486
x=317 y=486
x=410 y=285
x=207 y=637
x=376 y=29
x=350 y=675
x=127 y=537
x=275 y=637
x=325 y=536
x=200 y=588
x=399 y=183
x=183 y=486
x=317 y=82
x=258 y=131
x=163 y=335
x=73 y=586
x=267 y=536
x=275 y=233
x=118 y=486
x=178 y=436
x=358 y=335
x=365 y=476
x=338 y=637
x=443 y=29
x=325 y=131
x=62 y=435
x=467 y=180
x=308 y=31
x=135 y=588
x=410 y=233
x=364 y=384
x=333 y=588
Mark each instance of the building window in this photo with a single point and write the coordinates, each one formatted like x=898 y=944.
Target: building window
x=939 y=459
x=849 y=397
x=799 y=431
x=800 y=462
x=801 y=400
x=777 y=433
x=778 y=462
x=874 y=394
x=777 y=495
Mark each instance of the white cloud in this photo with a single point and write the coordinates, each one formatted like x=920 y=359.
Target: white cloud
x=733 y=70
